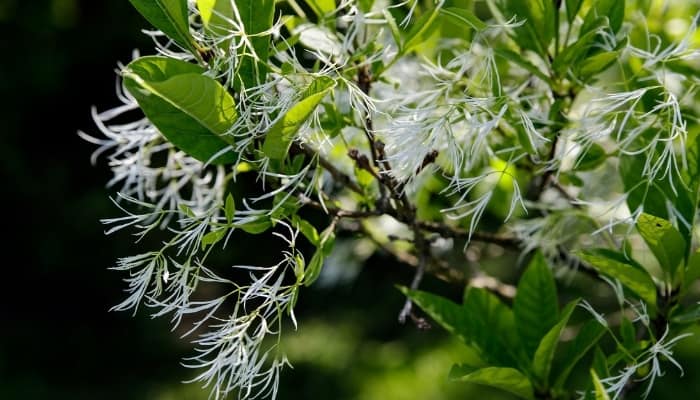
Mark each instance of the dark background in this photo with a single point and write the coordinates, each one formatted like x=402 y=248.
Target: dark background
x=57 y=338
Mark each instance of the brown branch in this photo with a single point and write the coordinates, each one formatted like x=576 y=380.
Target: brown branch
x=338 y=175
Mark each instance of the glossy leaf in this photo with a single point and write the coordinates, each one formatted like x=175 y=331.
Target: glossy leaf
x=667 y=244
x=535 y=306
x=281 y=135
x=542 y=361
x=191 y=110
x=170 y=17
x=421 y=29
x=507 y=379
x=257 y=17
x=632 y=276
x=584 y=341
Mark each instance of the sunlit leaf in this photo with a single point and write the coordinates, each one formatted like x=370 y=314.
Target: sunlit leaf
x=281 y=135
x=191 y=110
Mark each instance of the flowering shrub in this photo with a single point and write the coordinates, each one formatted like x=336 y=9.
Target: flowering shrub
x=431 y=130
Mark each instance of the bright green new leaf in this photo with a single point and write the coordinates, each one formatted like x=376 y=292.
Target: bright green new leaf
x=632 y=276
x=170 y=17
x=421 y=30
x=213 y=237
x=571 y=55
x=306 y=229
x=321 y=7
x=193 y=111
x=600 y=393
x=281 y=135
x=535 y=307
x=464 y=17
x=507 y=379
x=584 y=341
x=667 y=244
x=323 y=249
x=256 y=227
x=229 y=208
x=542 y=361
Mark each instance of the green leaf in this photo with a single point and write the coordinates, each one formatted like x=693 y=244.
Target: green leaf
x=632 y=276
x=507 y=379
x=257 y=17
x=535 y=306
x=628 y=333
x=321 y=7
x=600 y=362
x=323 y=249
x=281 y=135
x=687 y=316
x=193 y=111
x=170 y=17
x=213 y=237
x=465 y=17
x=394 y=28
x=667 y=244
x=586 y=338
x=421 y=30
x=596 y=64
x=256 y=227
x=306 y=229
x=613 y=10
x=538 y=30
x=692 y=270
x=523 y=63
x=542 y=361
x=654 y=195
x=571 y=55
x=483 y=322
x=592 y=158
x=572 y=8
x=600 y=393
x=229 y=208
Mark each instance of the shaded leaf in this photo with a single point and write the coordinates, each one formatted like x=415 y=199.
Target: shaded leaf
x=535 y=307
x=586 y=338
x=542 y=361
x=667 y=244
x=507 y=379
x=229 y=208
x=592 y=158
x=632 y=276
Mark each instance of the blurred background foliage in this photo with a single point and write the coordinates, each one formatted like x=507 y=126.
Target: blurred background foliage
x=58 y=340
